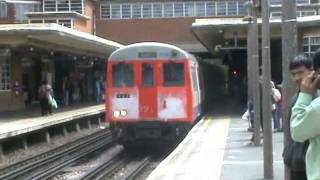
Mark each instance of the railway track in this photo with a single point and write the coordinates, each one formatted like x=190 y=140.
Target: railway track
x=110 y=167
x=47 y=164
x=138 y=168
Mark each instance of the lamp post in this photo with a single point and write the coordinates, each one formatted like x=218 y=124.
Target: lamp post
x=266 y=92
x=289 y=50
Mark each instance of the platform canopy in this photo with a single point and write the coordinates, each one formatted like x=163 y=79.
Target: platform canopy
x=213 y=33
x=57 y=38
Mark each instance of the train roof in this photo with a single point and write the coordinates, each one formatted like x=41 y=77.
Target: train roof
x=150 y=51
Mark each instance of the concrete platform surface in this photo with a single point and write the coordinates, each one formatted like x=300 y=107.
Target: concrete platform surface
x=16 y=124
x=219 y=148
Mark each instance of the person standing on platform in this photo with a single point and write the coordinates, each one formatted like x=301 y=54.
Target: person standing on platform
x=305 y=123
x=276 y=96
x=98 y=89
x=65 y=91
x=299 y=68
x=44 y=92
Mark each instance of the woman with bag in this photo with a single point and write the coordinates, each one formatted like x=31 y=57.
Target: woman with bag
x=44 y=94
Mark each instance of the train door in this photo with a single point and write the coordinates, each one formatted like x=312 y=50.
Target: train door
x=172 y=97
x=148 y=92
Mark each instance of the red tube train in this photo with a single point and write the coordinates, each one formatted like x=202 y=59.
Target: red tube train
x=154 y=90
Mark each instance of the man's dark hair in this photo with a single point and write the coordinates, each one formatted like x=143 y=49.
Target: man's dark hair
x=316 y=60
x=300 y=60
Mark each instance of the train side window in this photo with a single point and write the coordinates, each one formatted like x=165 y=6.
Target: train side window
x=173 y=74
x=122 y=75
x=147 y=74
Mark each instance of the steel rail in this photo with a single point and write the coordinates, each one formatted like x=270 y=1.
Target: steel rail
x=52 y=170
x=106 y=167
x=138 y=169
x=19 y=168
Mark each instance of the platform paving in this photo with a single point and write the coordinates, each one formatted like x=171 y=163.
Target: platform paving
x=16 y=123
x=219 y=148
x=244 y=161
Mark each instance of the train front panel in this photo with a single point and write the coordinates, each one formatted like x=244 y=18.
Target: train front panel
x=149 y=97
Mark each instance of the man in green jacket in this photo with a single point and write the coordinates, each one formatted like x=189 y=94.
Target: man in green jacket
x=299 y=67
x=305 y=120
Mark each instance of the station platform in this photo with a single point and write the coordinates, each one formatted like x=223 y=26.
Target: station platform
x=219 y=148
x=21 y=122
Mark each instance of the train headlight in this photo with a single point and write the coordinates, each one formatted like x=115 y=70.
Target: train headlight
x=116 y=113
x=123 y=112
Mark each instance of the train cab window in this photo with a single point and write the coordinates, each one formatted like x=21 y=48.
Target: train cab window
x=122 y=75
x=173 y=74
x=147 y=75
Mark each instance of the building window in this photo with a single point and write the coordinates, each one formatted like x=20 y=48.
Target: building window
x=65 y=22
x=306 y=13
x=221 y=8
x=126 y=11
x=77 y=6
x=136 y=10
x=3 y=9
x=278 y=14
x=241 y=9
x=172 y=9
x=189 y=9
x=146 y=10
x=63 y=5
x=178 y=10
x=115 y=11
x=200 y=9
x=232 y=9
x=22 y=8
x=275 y=15
x=303 y=2
x=49 y=5
x=311 y=44
x=157 y=10
x=4 y=74
x=168 y=10
x=35 y=21
x=314 y=44
x=105 y=11
x=279 y=2
x=50 y=21
x=211 y=9
x=275 y=2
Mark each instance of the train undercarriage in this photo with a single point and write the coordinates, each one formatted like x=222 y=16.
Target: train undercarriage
x=126 y=132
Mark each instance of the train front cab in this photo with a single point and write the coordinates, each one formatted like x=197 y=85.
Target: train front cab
x=151 y=98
